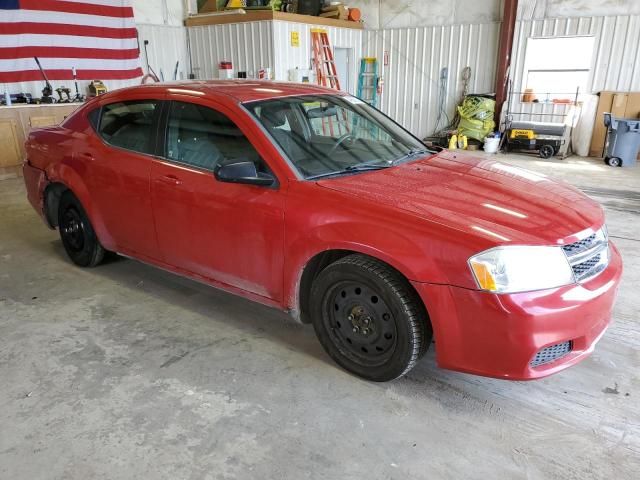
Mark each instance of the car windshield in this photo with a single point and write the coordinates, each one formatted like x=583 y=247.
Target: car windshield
x=327 y=135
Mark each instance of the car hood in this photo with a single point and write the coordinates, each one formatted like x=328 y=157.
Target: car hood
x=500 y=202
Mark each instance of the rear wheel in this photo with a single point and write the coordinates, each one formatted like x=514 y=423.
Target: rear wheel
x=546 y=151
x=77 y=234
x=368 y=318
x=613 y=161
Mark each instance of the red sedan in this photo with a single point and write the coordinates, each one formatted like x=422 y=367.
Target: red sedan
x=311 y=201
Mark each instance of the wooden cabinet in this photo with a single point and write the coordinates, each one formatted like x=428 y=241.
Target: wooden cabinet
x=10 y=155
x=15 y=123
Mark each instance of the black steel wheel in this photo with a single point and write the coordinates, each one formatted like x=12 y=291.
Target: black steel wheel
x=361 y=322
x=546 y=151
x=77 y=234
x=368 y=318
x=613 y=161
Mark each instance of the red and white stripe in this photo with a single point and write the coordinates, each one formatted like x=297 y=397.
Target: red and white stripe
x=97 y=37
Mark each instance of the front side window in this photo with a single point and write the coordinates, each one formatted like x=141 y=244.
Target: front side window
x=329 y=134
x=202 y=137
x=129 y=125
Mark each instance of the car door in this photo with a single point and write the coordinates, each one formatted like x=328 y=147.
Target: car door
x=118 y=166
x=232 y=233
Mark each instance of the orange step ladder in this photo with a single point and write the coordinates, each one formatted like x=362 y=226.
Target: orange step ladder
x=323 y=62
x=326 y=72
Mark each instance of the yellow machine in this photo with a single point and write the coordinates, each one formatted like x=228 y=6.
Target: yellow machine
x=544 y=137
x=528 y=134
x=96 y=87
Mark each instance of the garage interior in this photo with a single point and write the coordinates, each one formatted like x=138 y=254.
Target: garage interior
x=127 y=371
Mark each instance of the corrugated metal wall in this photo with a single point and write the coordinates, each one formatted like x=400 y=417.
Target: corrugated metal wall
x=416 y=57
x=615 y=63
x=288 y=57
x=248 y=45
x=254 y=45
x=167 y=45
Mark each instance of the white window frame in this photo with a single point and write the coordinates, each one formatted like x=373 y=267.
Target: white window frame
x=545 y=97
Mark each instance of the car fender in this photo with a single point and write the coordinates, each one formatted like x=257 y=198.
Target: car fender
x=392 y=247
x=67 y=175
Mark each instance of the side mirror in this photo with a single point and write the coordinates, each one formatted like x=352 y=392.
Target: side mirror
x=243 y=172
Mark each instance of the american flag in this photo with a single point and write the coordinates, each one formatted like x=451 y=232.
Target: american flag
x=96 y=37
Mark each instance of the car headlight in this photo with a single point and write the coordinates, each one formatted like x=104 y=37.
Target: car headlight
x=512 y=269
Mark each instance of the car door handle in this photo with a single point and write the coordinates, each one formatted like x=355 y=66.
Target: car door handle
x=87 y=156
x=170 y=180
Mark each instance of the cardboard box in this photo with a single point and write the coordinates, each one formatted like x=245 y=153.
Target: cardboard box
x=633 y=106
x=620 y=104
x=209 y=6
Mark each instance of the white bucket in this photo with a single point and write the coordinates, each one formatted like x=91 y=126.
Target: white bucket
x=491 y=144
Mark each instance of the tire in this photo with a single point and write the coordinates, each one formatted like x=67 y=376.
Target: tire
x=613 y=161
x=368 y=318
x=77 y=234
x=546 y=151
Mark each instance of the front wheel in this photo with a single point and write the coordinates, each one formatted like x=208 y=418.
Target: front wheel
x=369 y=319
x=77 y=234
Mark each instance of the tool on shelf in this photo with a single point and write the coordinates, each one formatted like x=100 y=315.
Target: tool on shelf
x=368 y=81
x=301 y=7
x=21 y=97
x=7 y=98
x=77 y=97
x=47 y=91
x=96 y=87
x=64 y=94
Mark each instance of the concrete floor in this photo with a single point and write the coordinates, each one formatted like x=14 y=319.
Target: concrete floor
x=125 y=371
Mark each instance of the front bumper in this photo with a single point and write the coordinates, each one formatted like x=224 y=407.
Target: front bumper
x=498 y=335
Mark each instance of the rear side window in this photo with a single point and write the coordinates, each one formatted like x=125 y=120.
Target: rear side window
x=129 y=125
x=94 y=118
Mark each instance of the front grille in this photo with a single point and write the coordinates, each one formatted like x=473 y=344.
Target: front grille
x=551 y=353
x=578 y=247
x=589 y=256
x=582 y=269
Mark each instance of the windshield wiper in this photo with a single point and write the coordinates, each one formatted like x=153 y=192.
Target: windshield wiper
x=349 y=169
x=411 y=153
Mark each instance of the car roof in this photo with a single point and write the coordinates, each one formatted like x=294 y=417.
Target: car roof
x=241 y=90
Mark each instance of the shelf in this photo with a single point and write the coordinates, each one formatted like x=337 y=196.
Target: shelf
x=262 y=15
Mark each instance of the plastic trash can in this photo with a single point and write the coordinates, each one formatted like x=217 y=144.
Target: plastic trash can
x=623 y=140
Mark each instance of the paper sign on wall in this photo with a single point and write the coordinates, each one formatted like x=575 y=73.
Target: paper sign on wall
x=295 y=39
